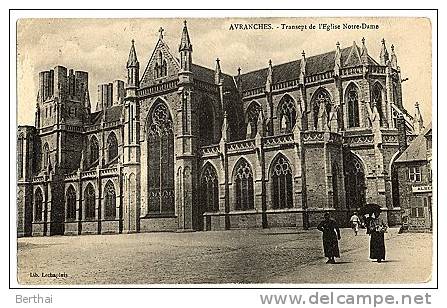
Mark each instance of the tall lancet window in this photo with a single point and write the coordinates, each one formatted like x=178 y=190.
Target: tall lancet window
x=38 y=205
x=210 y=189
x=94 y=152
x=377 y=97
x=112 y=147
x=71 y=203
x=252 y=116
x=110 y=201
x=160 y=161
x=287 y=114
x=45 y=156
x=321 y=96
x=161 y=66
x=281 y=176
x=90 y=202
x=352 y=100
x=243 y=178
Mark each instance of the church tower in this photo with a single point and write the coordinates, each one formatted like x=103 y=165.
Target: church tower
x=131 y=161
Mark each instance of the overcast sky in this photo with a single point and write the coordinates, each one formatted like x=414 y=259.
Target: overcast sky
x=101 y=47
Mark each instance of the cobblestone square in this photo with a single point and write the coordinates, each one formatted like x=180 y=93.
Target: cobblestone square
x=251 y=256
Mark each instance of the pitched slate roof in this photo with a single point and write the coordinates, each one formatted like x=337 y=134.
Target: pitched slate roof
x=289 y=71
x=112 y=114
x=206 y=74
x=417 y=150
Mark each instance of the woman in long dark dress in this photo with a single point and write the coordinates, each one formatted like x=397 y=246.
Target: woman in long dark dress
x=377 y=229
x=331 y=236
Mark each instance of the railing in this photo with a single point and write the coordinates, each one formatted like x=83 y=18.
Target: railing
x=359 y=140
x=205 y=86
x=112 y=124
x=253 y=92
x=278 y=140
x=377 y=69
x=71 y=177
x=108 y=171
x=313 y=136
x=356 y=70
x=209 y=150
x=389 y=138
x=241 y=145
x=285 y=84
x=162 y=87
x=319 y=77
x=87 y=174
x=72 y=128
x=336 y=138
x=39 y=178
x=92 y=127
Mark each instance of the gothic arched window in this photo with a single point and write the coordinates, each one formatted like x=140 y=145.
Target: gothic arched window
x=20 y=156
x=94 y=152
x=156 y=70
x=281 y=176
x=45 y=156
x=161 y=66
x=286 y=114
x=321 y=97
x=206 y=123
x=243 y=178
x=112 y=147
x=160 y=160
x=252 y=116
x=354 y=181
x=38 y=205
x=377 y=97
x=71 y=203
x=352 y=99
x=90 y=202
x=210 y=189
x=164 y=68
x=110 y=201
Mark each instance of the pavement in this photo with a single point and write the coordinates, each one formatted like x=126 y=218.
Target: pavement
x=237 y=256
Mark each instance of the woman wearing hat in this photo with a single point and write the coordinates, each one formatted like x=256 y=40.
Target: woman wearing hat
x=331 y=236
x=377 y=229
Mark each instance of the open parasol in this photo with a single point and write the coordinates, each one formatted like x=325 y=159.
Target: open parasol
x=369 y=209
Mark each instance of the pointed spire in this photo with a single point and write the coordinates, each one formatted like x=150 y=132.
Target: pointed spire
x=185 y=43
x=217 y=72
x=238 y=80
x=133 y=60
x=269 y=81
x=337 y=60
x=364 y=55
x=384 y=57
x=260 y=124
x=87 y=101
x=224 y=132
x=418 y=122
x=393 y=58
x=302 y=68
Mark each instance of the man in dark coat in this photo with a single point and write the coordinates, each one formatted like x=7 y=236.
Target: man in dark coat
x=331 y=236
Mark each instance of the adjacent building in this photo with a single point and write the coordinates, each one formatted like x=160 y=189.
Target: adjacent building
x=414 y=167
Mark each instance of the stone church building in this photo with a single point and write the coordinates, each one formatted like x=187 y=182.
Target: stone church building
x=179 y=147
